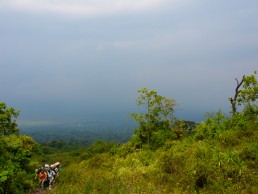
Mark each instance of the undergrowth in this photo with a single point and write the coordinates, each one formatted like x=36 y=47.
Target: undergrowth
x=208 y=161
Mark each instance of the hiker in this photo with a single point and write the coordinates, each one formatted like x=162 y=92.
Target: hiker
x=58 y=166
x=47 y=174
x=42 y=178
x=46 y=166
x=51 y=177
x=37 y=171
x=52 y=167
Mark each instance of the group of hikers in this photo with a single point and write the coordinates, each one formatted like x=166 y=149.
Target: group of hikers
x=47 y=174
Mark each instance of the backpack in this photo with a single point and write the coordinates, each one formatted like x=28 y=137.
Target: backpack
x=51 y=174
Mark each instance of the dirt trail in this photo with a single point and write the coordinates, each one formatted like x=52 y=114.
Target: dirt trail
x=40 y=191
x=37 y=191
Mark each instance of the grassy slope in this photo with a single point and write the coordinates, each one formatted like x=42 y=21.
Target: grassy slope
x=222 y=163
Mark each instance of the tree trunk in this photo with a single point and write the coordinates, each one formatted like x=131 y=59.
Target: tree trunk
x=233 y=101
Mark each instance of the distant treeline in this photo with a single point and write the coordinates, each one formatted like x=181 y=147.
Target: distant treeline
x=70 y=136
x=80 y=133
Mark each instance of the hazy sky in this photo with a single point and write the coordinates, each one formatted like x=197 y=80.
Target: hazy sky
x=67 y=59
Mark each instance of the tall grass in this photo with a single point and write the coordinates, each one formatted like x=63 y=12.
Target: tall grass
x=212 y=160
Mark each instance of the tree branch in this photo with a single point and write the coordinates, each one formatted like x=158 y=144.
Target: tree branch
x=237 y=91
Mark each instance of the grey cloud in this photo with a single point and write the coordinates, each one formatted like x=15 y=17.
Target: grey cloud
x=58 y=67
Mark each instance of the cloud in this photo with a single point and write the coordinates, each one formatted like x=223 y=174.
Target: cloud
x=83 y=7
x=120 y=44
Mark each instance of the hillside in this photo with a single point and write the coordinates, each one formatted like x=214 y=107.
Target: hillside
x=164 y=154
x=217 y=158
x=218 y=155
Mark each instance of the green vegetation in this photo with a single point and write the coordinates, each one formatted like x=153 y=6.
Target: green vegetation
x=219 y=155
x=15 y=154
x=246 y=95
x=164 y=155
x=213 y=160
x=154 y=125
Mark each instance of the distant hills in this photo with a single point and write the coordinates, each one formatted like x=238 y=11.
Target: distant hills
x=85 y=132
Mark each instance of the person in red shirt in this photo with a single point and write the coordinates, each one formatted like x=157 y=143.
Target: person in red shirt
x=42 y=178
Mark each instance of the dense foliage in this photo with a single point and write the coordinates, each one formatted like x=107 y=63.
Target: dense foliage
x=220 y=156
x=15 y=154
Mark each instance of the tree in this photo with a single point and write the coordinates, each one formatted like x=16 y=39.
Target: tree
x=7 y=124
x=158 y=115
x=246 y=92
x=15 y=153
x=234 y=100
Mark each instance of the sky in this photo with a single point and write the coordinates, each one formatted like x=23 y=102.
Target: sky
x=69 y=59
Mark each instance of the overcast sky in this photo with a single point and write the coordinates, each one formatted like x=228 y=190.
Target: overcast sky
x=68 y=59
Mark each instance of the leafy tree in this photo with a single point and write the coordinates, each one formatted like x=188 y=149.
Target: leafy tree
x=249 y=93
x=15 y=154
x=7 y=124
x=214 y=124
x=158 y=115
x=246 y=92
